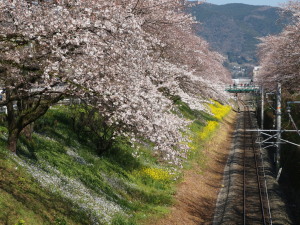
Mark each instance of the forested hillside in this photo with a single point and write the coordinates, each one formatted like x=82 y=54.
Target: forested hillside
x=233 y=29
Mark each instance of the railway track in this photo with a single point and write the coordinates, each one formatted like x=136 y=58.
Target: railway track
x=244 y=199
x=256 y=209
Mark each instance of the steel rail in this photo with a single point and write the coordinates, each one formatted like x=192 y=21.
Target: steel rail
x=266 y=187
x=259 y=185
x=262 y=208
x=265 y=179
x=244 y=171
x=229 y=163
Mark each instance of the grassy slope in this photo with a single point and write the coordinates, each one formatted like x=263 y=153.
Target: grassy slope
x=76 y=185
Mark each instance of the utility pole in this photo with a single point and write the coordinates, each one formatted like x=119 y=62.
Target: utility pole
x=278 y=126
x=262 y=109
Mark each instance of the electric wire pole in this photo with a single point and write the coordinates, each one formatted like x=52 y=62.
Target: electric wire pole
x=262 y=109
x=278 y=126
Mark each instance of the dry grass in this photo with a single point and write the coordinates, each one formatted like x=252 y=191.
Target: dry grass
x=197 y=194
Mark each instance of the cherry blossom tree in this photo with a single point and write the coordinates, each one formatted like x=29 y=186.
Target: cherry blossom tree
x=84 y=45
x=280 y=54
x=168 y=21
x=117 y=55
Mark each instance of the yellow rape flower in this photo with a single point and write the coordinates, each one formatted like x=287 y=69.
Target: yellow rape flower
x=208 y=130
x=156 y=173
x=219 y=110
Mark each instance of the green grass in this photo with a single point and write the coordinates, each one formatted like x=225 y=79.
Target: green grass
x=198 y=128
x=23 y=199
x=114 y=175
x=200 y=117
x=110 y=174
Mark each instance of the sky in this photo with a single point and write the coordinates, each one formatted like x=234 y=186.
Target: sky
x=249 y=2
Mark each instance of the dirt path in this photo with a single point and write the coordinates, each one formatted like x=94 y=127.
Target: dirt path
x=196 y=196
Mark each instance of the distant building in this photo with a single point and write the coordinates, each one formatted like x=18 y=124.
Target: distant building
x=193 y=2
x=241 y=81
x=256 y=71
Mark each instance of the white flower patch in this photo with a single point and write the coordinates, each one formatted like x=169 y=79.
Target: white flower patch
x=77 y=157
x=97 y=206
x=114 y=182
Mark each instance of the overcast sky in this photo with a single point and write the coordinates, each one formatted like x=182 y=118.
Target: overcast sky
x=249 y=2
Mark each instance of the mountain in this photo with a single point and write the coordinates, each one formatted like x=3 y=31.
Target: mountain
x=234 y=29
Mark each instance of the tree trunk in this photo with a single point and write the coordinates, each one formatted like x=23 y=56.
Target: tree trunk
x=12 y=140
x=23 y=117
x=13 y=133
x=27 y=131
